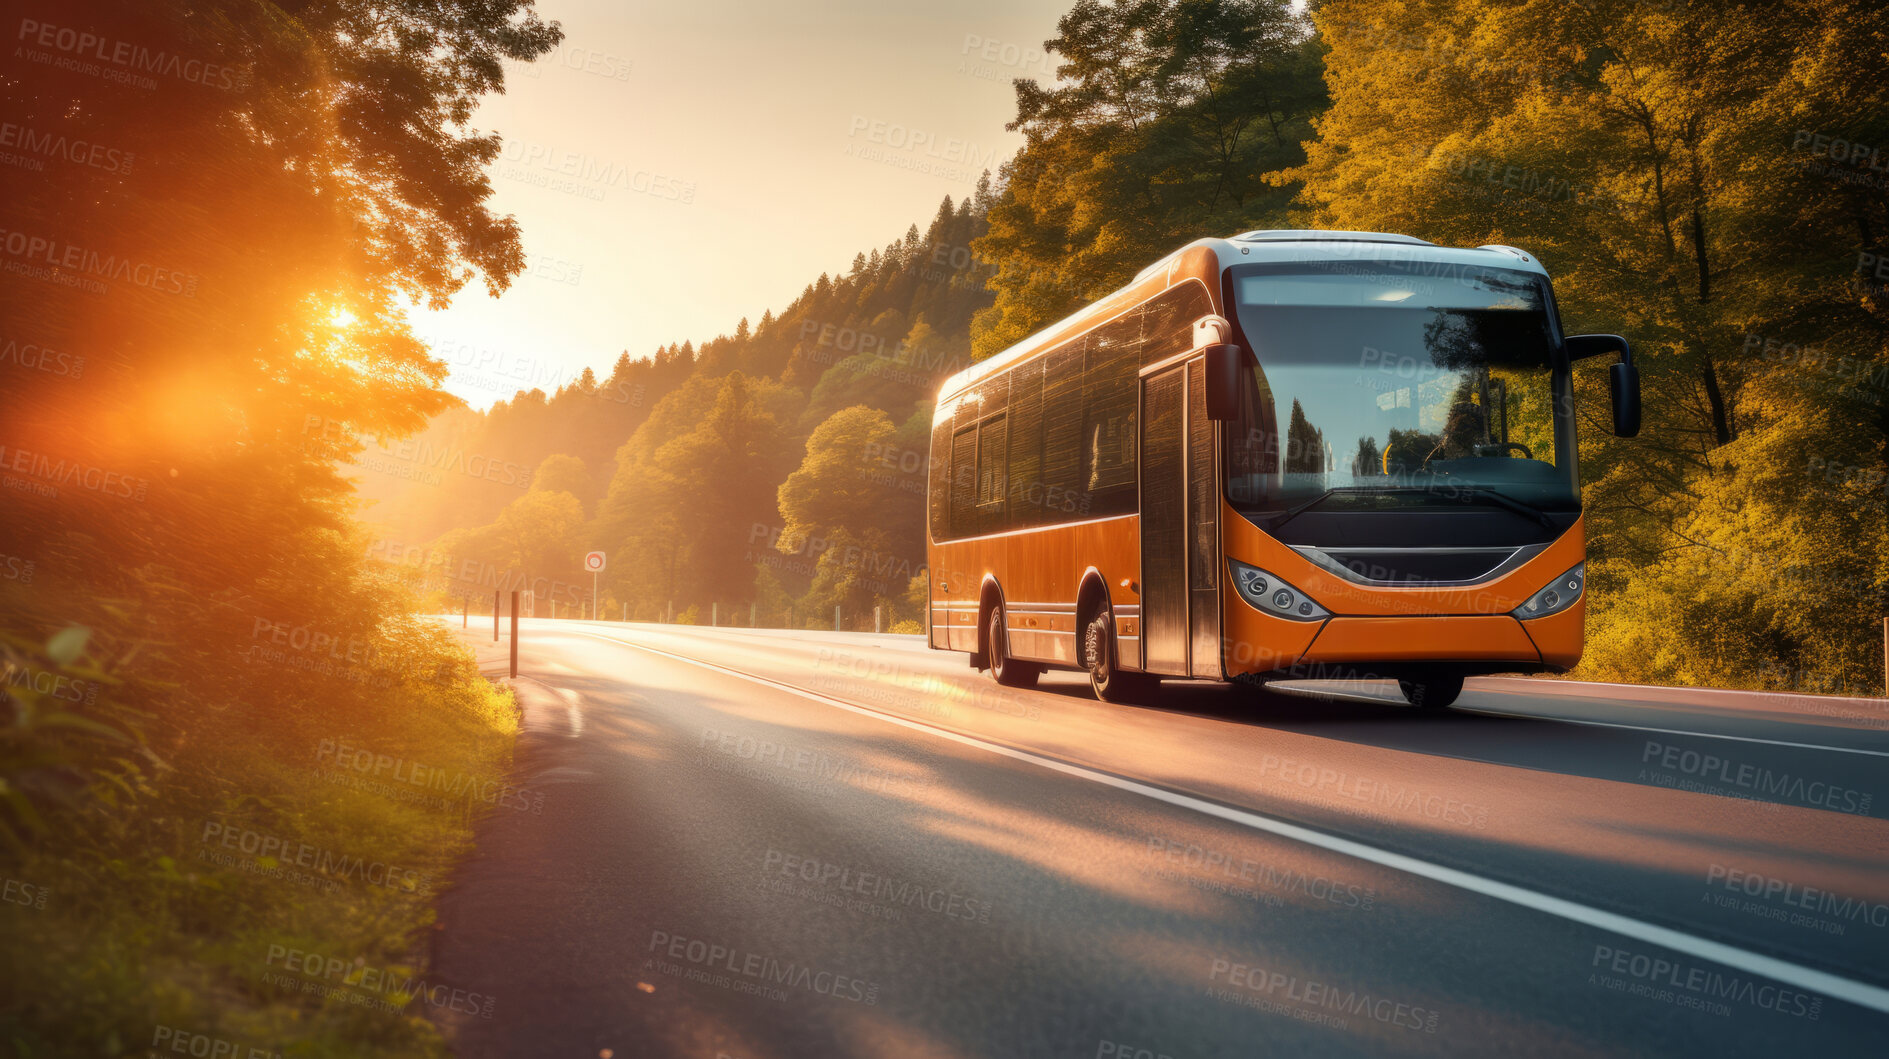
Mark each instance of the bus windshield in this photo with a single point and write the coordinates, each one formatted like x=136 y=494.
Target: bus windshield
x=1389 y=385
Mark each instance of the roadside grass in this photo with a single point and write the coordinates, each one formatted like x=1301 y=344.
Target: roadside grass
x=187 y=914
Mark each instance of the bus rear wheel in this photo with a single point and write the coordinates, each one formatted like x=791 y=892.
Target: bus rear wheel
x=1432 y=692
x=1106 y=679
x=1008 y=671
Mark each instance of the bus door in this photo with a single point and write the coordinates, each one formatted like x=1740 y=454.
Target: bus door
x=1180 y=533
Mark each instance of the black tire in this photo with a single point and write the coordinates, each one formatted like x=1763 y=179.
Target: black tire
x=1109 y=682
x=1432 y=693
x=1008 y=671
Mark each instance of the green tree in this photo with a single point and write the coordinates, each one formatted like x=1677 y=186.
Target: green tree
x=1305 y=444
x=696 y=483
x=562 y=474
x=856 y=503
x=257 y=233
x=1164 y=123
x=1663 y=162
x=540 y=531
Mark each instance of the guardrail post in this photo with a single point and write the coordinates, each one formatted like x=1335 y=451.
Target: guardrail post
x=514 y=632
x=877 y=626
x=714 y=615
x=836 y=617
x=465 y=612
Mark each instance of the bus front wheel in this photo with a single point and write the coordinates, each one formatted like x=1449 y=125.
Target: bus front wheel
x=1106 y=679
x=1008 y=671
x=1432 y=692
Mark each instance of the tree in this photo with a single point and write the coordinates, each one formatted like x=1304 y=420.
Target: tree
x=240 y=198
x=1165 y=121
x=856 y=504
x=233 y=281
x=562 y=474
x=1663 y=161
x=842 y=482
x=1369 y=460
x=1305 y=444
x=540 y=531
x=695 y=482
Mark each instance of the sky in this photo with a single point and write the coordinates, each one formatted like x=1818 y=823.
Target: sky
x=678 y=165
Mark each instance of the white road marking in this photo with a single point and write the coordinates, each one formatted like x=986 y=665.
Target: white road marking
x=1555 y=718
x=573 y=710
x=1676 y=731
x=1810 y=979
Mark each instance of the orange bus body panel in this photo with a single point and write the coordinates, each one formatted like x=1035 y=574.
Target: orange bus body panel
x=1489 y=636
x=1560 y=637
x=1039 y=574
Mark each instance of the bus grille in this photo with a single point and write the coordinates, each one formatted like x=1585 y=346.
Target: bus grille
x=1419 y=565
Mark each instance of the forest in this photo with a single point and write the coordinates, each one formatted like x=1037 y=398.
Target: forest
x=1699 y=176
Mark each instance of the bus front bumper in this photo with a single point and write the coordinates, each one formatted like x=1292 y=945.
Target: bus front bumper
x=1422 y=639
x=1489 y=643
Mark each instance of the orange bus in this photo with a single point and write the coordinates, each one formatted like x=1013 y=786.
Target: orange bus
x=1287 y=453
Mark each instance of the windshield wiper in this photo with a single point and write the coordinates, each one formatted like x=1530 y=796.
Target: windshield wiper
x=1294 y=512
x=1501 y=499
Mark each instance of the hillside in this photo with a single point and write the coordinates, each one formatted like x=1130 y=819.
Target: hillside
x=472 y=503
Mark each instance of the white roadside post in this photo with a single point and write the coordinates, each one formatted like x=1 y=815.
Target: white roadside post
x=593 y=561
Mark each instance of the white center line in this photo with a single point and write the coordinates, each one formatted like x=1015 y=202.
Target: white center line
x=1862 y=994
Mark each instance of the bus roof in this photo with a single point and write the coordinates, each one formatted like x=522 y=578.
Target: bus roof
x=1266 y=245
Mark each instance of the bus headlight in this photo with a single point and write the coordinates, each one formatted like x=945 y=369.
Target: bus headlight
x=1557 y=597
x=1273 y=596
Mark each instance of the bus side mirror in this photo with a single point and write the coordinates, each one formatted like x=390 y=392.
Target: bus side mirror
x=1623 y=379
x=1224 y=364
x=1581 y=347
x=1624 y=386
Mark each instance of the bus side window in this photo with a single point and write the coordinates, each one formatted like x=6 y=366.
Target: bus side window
x=1062 y=492
x=938 y=489
x=1168 y=321
x=964 y=516
x=991 y=466
x=1108 y=466
x=1025 y=447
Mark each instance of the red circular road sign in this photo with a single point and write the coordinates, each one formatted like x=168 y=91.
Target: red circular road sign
x=593 y=562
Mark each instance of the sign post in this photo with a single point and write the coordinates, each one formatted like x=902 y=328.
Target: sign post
x=593 y=561
x=514 y=632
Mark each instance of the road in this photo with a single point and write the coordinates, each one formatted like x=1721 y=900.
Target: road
x=764 y=843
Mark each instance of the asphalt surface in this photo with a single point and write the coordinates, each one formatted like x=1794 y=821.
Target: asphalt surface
x=757 y=844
